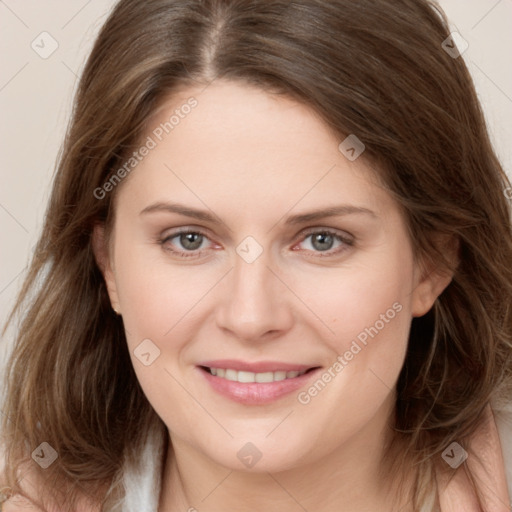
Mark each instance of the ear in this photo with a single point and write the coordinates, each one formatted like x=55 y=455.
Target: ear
x=103 y=259
x=433 y=278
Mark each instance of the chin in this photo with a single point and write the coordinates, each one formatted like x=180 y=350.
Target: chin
x=258 y=455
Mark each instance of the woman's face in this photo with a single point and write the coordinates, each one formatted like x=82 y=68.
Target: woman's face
x=246 y=242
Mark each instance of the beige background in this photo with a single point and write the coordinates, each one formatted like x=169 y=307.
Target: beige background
x=36 y=94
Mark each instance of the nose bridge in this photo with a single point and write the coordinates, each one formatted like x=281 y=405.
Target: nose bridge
x=253 y=304
x=251 y=283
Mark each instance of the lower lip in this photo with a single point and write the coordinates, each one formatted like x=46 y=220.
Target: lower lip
x=256 y=393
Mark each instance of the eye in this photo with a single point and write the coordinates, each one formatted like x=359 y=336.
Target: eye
x=326 y=241
x=186 y=243
x=189 y=243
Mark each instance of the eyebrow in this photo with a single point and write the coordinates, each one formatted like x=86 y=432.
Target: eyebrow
x=205 y=216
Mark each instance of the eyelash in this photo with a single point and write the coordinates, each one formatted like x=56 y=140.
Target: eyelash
x=345 y=240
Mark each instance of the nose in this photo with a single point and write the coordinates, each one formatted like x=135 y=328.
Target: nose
x=254 y=304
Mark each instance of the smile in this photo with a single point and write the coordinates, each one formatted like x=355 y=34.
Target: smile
x=255 y=383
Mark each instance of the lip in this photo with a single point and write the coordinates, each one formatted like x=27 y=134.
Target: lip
x=256 y=393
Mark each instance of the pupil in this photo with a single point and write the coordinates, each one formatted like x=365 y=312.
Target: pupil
x=322 y=241
x=191 y=241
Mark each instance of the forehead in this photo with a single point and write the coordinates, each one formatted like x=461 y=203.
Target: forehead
x=238 y=145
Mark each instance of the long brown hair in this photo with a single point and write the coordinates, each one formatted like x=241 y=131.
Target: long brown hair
x=374 y=68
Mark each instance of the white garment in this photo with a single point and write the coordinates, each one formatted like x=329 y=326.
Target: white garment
x=143 y=483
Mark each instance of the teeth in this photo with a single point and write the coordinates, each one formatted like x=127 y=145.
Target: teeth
x=279 y=376
x=264 y=377
x=231 y=375
x=245 y=377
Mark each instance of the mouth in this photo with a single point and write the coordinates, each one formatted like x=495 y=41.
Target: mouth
x=255 y=383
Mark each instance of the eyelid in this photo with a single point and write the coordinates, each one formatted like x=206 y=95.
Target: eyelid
x=172 y=232
x=344 y=235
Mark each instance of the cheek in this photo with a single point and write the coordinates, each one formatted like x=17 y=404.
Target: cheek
x=364 y=303
x=154 y=296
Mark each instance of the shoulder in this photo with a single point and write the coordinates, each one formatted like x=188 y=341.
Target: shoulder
x=18 y=504
x=485 y=459
x=31 y=494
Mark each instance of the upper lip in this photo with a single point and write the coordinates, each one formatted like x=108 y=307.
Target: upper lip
x=256 y=367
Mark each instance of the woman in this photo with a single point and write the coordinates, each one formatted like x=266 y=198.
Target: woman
x=275 y=271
